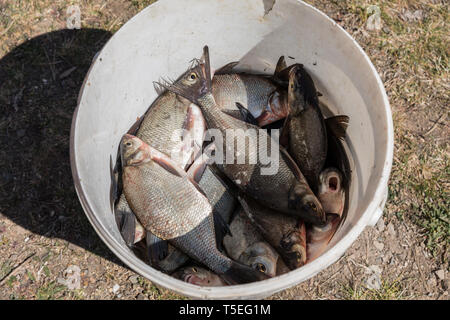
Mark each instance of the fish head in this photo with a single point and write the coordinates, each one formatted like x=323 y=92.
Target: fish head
x=296 y=94
x=132 y=150
x=331 y=192
x=303 y=200
x=195 y=82
x=293 y=245
x=200 y=277
x=330 y=180
x=261 y=257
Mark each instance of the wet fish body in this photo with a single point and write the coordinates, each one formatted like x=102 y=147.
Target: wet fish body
x=306 y=126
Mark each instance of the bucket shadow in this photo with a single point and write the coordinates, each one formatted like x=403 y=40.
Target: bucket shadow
x=39 y=84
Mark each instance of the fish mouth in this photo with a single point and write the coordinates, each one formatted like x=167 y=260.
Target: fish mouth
x=333 y=183
x=190 y=278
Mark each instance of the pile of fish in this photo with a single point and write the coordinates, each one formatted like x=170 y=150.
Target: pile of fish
x=216 y=224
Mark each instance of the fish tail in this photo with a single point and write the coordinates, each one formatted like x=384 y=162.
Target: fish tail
x=239 y=273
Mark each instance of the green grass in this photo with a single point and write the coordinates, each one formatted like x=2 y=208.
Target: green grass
x=390 y=290
x=50 y=291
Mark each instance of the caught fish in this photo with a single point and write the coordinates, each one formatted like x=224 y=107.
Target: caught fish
x=286 y=234
x=332 y=197
x=287 y=190
x=172 y=207
x=305 y=126
x=199 y=276
x=247 y=246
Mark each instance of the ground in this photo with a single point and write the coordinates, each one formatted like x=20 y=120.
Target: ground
x=45 y=237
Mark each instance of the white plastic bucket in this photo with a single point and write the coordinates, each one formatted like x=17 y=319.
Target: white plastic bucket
x=162 y=39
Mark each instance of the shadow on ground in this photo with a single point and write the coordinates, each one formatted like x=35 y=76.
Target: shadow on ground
x=39 y=85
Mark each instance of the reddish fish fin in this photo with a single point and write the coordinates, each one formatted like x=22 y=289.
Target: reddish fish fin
x=196 y=170
x=166 y=162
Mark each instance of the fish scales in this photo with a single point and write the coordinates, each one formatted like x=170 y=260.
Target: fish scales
x=251 y=91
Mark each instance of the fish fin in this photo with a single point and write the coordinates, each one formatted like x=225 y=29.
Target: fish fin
x=284 y=135
x=166 y=162
x=157 y=248
x=195 y=172
x=169 y=167
x=237 y=114
x=281 y=65
x=281 y=77
x=239 y=273
x=338 y=125
x=221 y=229
x=114 y=189
x=127 y=225
x=241 y=114
x=231 y=187
x=135 y=127
x=246 y=115
x=227 y=69
x=207 y=68
x=158 y=88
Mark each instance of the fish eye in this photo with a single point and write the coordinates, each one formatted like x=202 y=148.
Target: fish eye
x=261 y=267
x=193 y=76
x=313 y=206
x=128 y=144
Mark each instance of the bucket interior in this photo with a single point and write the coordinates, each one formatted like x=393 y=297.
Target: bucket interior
x=162 y=39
